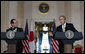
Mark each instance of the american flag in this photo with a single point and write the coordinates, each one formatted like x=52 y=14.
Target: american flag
x=26 y=42
x=55 y=43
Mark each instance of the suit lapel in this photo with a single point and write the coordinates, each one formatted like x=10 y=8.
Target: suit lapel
x=66 y=28
x=61 y=28
x=17 y=29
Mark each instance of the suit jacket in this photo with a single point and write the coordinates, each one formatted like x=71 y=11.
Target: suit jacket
x=19 y=43
x=69 y=26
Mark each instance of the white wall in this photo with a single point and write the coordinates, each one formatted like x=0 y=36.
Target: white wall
x=76 y=18
x=12 y=10
x=56 y=9
x=27 y=11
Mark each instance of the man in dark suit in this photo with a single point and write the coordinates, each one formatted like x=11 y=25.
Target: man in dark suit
x=15 y=28
x=63 y=28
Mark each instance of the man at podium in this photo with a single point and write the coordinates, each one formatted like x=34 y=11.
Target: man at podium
x=14 y=27
x=63 y=28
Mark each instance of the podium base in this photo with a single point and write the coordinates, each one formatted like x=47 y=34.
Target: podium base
x=68 y=48
x=11 y=48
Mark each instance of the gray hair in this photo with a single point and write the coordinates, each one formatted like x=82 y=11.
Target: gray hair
x=63 y=17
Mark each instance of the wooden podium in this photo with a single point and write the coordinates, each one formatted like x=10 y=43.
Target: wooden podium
x=12 y=42
x=68 y=42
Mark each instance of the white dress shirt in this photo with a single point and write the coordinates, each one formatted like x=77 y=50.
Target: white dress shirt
x=15 y=30
x=63 y=25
